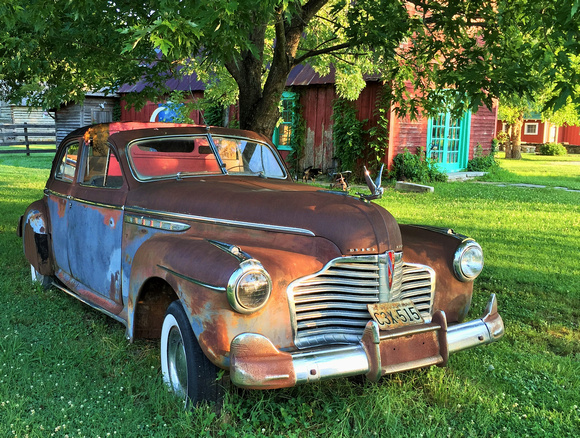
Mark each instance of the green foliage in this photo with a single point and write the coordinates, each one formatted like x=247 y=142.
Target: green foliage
x=416 y=168
x=298 y=138
x=502 y=140
x=379 y=134
x=214 y=114
x=553 y=149
x=53 y=52
x=347 y=133
x=481 y=162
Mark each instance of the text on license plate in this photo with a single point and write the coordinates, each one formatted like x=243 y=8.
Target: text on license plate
x=393 y=315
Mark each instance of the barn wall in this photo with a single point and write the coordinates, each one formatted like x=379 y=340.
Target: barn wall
x=570 y=135
x=408 y=134
x=144 y=114
x=483 y=129
x=317 y=113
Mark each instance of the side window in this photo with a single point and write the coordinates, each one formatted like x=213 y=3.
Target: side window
x=68 y=163
x=101 y=166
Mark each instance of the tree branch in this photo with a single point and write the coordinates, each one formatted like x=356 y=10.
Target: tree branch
x=324 y=51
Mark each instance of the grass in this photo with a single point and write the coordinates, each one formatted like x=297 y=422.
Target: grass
x=551 y=171
x=66 y=370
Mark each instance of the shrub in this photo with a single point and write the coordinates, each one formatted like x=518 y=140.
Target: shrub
x=481 y=162
x=553 y=149
x=502 y=140
x=416 y=168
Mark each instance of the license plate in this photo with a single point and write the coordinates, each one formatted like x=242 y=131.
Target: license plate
x=393 y=315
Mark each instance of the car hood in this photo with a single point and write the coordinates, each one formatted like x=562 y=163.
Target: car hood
x=354 y=226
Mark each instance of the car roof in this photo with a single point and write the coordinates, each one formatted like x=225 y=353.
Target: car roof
x=121 y=133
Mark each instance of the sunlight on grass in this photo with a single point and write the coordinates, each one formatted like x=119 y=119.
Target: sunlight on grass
x=66 y=370
x=557 y=171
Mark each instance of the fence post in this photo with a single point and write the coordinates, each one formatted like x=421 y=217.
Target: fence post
x=26 y=139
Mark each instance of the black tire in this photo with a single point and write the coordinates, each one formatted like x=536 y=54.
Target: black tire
x=44 y=280
x=185 y=367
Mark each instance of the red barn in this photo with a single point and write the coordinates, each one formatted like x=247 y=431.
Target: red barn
x=449 y=141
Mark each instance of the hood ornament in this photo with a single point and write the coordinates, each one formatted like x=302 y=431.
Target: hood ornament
x=374 y=186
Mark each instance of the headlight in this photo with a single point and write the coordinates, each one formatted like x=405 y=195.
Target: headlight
x=249 y=287
x=468 y=261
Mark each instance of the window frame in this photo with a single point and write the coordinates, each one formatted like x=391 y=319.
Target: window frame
x=528 y=125
x=291 y=97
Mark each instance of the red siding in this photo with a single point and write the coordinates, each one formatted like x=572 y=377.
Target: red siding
x=483 y=129
x=406 y=134
x=144 y=114
x=570 y=135
x=539 y=137
x=317 y=112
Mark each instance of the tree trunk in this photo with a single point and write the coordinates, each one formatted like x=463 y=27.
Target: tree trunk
x=516 y=138
x=508 y=143
x=259 y=107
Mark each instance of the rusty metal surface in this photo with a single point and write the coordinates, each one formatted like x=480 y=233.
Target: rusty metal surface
x=435 y=249
x=132 y=250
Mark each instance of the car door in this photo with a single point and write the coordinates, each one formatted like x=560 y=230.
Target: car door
x=57 y=194
x=95 y=225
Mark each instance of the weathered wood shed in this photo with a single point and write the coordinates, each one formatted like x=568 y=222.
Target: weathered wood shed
x=96 y=108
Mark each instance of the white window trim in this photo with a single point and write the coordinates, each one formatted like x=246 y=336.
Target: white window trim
x=527 y=129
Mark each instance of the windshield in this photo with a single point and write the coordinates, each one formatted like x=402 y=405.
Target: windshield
x=243 y=156
x=180 y=156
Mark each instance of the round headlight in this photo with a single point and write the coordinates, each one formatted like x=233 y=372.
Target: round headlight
x=249 y=287
x=468 y=261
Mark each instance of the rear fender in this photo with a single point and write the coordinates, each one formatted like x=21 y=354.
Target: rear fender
x=34 y=230
x=435 y=247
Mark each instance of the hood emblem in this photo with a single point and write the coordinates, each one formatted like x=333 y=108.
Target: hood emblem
x=362 y=250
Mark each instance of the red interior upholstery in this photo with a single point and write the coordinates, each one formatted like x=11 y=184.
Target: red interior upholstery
x=169 y=163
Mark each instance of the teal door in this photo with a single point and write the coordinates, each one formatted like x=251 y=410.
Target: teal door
x=448 y=141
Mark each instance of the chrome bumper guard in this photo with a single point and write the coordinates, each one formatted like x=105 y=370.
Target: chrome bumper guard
x=257 y=363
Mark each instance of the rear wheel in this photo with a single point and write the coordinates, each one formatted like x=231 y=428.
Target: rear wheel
x=186 y=369
x=44 y=280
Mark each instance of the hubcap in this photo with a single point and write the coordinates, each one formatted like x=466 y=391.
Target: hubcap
x=176 y=362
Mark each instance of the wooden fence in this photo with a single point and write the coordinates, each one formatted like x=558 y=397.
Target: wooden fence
x=27 y=134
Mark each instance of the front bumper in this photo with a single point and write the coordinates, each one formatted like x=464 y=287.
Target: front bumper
x=256 y=363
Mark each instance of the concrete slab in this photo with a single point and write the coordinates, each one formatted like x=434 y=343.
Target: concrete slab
x=403 y=186
x=463 y=176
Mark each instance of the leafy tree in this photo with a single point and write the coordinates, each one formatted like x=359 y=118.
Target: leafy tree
x=433 y=52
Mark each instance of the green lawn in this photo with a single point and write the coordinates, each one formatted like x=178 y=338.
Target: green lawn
x=558 y=171
x=66 y=370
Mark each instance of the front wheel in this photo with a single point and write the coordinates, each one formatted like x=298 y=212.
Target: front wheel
x=186 y=369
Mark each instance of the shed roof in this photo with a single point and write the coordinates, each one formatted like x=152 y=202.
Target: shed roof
x=301 y=75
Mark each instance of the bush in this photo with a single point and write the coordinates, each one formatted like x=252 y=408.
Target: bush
x=416 y=168
x=553 y=149
x=481 y=162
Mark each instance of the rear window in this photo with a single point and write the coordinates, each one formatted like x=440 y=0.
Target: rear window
x=169 y=156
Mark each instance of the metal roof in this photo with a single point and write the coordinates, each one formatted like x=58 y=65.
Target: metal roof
x=301 y=75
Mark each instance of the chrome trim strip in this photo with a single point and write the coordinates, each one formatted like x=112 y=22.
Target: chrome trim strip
x=224 y=222
x=83 y=201
x=193 y=280
x=88 y=303
x=156 y=223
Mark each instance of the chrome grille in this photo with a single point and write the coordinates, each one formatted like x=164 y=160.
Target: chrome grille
x=331 y=305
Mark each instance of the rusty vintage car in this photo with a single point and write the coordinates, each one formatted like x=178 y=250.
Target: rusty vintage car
x=198 y=236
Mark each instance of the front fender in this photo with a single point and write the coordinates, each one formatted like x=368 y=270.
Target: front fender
x=198 y=271
x=34 y=230
x=435 y=247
